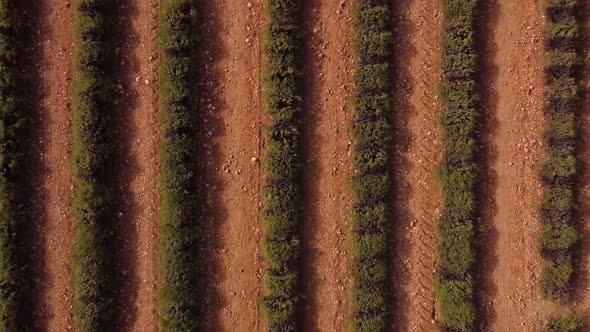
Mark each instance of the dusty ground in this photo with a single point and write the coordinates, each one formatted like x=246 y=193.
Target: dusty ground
x=136 y=164
x=329 y=60
x=232 y=144
x=515 y=98
x=417 y=156
x=54 y=40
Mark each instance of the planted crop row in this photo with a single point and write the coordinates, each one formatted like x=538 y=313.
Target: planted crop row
x=372 y=185
x=179 y=232
x=283 y=165
x=560 y=233
x=11 y=133
x=456 y=253
x=92 y=102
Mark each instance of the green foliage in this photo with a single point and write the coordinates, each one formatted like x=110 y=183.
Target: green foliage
x=92 y=103
x=565 y=322
x=459 y=173
x=12 y=122
x=179 y=231
x=560 y=234
x=283 y=165
x=371 y=184
x=456 y=302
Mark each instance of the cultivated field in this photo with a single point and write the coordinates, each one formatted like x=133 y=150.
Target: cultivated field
x=290 y=165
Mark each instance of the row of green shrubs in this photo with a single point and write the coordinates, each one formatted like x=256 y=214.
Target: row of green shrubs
x=560 y=234
x=92 y=104
x=283 y=165
x=371 y=181
x=12 y=120
x=180 y=203
x=459 y=172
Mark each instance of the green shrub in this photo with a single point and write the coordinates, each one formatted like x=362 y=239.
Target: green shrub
x=457 y=310
x=371 y=184
x=91 y=146
x=283 y=165
x=179 y=304
x=565 y=322
x=556 y=279
x=559 y=238
x=459 y=173
x=12 y=134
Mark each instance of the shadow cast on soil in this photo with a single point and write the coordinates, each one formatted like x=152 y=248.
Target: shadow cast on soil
x=124 y=166
x=487 y=245
x=402 y=243
x=32 y=236
x=209 y=179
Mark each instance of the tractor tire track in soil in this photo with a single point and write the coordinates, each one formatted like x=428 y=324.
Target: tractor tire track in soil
x=136 y=166
x=327 y=203
x=231 y=142
x=517 y=81
x=53 y=180
x=416 y=158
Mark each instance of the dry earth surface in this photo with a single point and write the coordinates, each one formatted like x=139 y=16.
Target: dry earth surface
x=328 y=73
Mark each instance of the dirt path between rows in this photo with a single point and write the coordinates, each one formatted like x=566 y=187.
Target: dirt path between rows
x=136 y=165
x=416 y=158
x=327 y=203
x=515 y=97
x=53 y=182
x=232 y=143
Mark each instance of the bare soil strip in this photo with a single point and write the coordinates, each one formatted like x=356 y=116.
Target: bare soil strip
x=329 y=63
x=136 y=165
x=417 y=156
x=232 y=144
x=518 y=83
x=54 y=182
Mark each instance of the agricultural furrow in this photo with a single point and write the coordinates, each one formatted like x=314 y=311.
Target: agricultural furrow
x=232 y=141
x=418 y=197
x=54 y=182
x=136 y=164
x=518 y=85
x=328 y=73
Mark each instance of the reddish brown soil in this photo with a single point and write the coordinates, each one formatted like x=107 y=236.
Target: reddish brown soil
x=417 y=155
x=54 y=182
x=232 y=144
x=515 y=97
x=136 y=169
x=327 y=171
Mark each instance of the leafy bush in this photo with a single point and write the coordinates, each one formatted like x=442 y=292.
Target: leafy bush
x=12 y=123
x=179 y=231
x=283 y=165
x=566 y=322
x=560 y=234
x=91 y=206
x=459 y=172
x=371 y=184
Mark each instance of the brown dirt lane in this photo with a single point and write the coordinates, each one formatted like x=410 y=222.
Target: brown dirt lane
x=417 y=156
x=136 y=164
x=327 y=203
x=53 y=183
x=232 y=143
x=517 y=82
